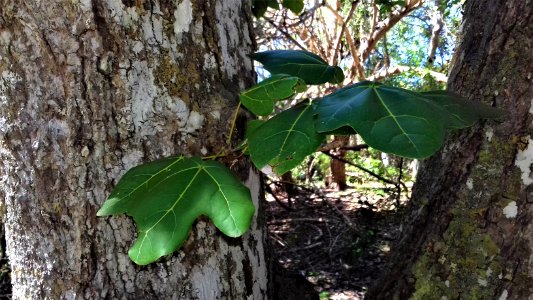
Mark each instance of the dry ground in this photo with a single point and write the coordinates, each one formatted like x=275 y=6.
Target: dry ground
x=338 y=241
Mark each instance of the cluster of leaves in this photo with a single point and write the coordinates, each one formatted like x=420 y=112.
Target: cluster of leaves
x=259 y=7
x=166 y=196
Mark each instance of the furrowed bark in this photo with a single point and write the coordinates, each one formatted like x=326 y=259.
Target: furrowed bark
x=89 y=89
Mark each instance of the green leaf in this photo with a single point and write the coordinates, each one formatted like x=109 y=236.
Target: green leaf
x=389 y=119
x=462 y=113
x=285 y=140
x=259 y=7
x=305 y=65
x=396 y=120
x=252 y=126
x=296 y=6
x=260 y=98
x=165 y=197
x=344 y=130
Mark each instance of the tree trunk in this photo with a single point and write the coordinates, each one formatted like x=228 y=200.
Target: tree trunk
x=337 y=167
x=471 y=235
x=89 y=89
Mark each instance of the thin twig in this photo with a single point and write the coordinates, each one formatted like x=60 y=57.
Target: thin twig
x=344 y=217
x=302 y=248
x=385 y=26
x=339 y=145
x=399 y=182
x=341 y=34
x=290 y=220
x=360 y=168
x=285 y=33
x=271 y=192
x=357 y=68
x=228 y=141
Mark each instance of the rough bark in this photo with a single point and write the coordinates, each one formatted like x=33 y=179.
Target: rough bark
x=89 y=89
x=472 y=209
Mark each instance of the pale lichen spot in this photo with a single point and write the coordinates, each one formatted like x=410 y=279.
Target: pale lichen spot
x=137 y=47
x=125 y=16
x=58 y=129
x=229 y=36
x=215 y=114
x=489 y=133
x=504 y=295
x=194 y=122
x=152 y=27
x=8 y=80
x=482 y=282
x=4 y=127
x=179 y=107
x=85 y=152
x=470 y=183
x=132 y=158
x=86 y=5
x=511 y=210
x=5 y=38
x=524 y=160
x=531 y=107
x=183 y=18
x=209 y=61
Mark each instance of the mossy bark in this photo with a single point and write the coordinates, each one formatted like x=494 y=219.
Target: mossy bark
x=89 y=89
x=470 y=232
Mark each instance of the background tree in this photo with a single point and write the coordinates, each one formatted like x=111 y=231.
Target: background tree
x=470 y=233
x=89 y=89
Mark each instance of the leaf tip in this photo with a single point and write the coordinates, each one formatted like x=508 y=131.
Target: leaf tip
x=103 y=211
x=338 y=75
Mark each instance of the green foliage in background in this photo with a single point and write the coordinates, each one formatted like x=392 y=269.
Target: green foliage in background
x=259 y=7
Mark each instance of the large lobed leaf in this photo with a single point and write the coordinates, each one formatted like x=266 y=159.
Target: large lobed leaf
x=285 y=140
x=260 y=98
x=165 y=197
x=395 y=120
x=305 y=65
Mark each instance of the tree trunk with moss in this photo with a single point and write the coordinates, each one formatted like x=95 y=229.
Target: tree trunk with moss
x=89 y=89
x=470 y=233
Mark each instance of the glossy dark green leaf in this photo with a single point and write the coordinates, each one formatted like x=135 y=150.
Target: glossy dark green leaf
x=285 y=140
x=259 y=7
x=296 y=6
x=260 y=98
x=462 y=113
x=252 y=126
x=305 y=65
x=389 y=119
x=396 y=120
x=344 y=130
x=165 y=197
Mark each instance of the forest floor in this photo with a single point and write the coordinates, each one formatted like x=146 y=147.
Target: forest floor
x=337 y=241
